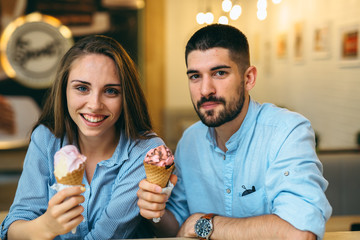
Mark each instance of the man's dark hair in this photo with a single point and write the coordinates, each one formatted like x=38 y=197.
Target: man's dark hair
x=223 y=36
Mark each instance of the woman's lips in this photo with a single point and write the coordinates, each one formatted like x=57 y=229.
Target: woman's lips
x=94 y=118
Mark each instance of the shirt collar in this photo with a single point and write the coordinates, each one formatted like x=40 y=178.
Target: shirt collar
x=120 y=154
x=234 y=140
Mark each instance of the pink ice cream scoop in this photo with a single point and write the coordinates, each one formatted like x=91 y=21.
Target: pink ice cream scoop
x=67 y=159
x=160 y=156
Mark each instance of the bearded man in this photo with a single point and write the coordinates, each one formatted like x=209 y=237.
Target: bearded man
x=246 y=170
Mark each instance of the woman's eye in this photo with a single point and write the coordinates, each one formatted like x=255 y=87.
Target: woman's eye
x=112 y=91
x=81 y=88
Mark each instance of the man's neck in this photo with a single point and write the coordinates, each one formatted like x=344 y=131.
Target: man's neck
x=225 y=131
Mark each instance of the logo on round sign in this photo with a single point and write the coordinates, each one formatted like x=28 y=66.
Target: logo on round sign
x=31 y=48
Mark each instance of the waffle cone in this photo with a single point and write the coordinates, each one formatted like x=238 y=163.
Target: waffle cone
x=158 y=175
x=73 y=178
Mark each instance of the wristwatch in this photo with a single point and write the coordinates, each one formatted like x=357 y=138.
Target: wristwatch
x=204 y=226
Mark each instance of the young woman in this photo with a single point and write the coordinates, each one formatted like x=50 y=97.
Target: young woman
x=97 y=104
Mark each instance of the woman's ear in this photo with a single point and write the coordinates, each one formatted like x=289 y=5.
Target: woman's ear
x=250 y=77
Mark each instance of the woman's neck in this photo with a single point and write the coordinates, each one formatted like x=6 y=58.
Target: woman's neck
x=98 y=147
x=96 y=150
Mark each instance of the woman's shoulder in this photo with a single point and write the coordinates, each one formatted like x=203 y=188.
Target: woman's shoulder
x=42 y=135
x=142 y=146
x=147 y=143
x=41 y=131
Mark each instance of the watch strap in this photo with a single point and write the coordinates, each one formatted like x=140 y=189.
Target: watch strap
x=209 y=217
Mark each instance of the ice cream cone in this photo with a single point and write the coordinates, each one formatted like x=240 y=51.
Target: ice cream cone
x=73 y=178
x=158 y=175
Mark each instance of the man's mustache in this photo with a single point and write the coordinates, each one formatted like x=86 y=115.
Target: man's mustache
x=210 y=99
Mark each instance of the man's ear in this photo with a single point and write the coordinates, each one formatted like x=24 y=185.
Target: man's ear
x=250 y=77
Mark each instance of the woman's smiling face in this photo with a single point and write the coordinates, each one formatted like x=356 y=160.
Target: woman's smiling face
x=93 y=95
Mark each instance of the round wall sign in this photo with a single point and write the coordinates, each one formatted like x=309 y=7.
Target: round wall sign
x=31 y=47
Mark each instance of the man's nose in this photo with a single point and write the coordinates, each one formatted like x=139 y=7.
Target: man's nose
x=207 y=86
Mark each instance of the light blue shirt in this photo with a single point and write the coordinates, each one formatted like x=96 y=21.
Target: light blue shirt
x=110 y=205
x=274 y=151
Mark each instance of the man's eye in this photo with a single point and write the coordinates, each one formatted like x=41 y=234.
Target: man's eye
x=194 y=76
x=220 y=73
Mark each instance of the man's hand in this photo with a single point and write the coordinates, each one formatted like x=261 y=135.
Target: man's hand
x=151 y=201
x=187 y=229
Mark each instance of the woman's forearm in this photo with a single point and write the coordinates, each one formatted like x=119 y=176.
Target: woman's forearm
x=33 y=229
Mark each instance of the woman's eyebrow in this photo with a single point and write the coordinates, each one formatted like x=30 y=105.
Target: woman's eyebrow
x=113 y=85
x=80 y=81
x=87 y=83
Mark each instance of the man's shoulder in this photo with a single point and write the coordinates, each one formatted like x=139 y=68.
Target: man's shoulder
x=195 y=129
x=270 y=114
x=194 y=133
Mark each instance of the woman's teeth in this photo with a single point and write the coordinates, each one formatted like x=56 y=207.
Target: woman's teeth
x=94 y=119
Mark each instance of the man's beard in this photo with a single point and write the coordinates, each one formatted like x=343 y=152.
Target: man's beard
x=229 y=113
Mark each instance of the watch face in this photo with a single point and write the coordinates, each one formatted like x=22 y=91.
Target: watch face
x=203 y=228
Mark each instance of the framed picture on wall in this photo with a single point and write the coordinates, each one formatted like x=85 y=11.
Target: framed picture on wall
x=281 y=46
x=321 y=40
x=298 y=42
x=349 y=47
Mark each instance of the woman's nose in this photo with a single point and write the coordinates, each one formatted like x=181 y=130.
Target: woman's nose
x=95 y=101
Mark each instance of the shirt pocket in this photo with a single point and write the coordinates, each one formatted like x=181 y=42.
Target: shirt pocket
x=253 y=204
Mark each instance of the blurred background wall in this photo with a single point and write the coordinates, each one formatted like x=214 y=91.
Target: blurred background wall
x=321 y=85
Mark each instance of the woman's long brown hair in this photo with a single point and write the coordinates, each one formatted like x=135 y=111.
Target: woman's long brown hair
x=134 y=120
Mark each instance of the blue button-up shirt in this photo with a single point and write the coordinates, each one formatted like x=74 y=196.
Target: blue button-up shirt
x=273 y=153
x=110 y=205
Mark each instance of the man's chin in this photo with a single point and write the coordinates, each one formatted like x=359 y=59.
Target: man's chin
x=210 y=121
x=211 y=124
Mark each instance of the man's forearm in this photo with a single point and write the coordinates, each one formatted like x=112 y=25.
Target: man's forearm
x=260 y=227
x=167 y=227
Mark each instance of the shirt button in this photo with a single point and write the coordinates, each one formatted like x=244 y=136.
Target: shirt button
x=228 y=190
x=286 y=173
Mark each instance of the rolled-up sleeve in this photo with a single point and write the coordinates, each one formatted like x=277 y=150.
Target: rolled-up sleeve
x=294 y=180
x=31 y=198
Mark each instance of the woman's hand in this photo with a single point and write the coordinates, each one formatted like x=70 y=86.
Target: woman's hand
x=63 y=214
x=64 y=211
x=151 y=201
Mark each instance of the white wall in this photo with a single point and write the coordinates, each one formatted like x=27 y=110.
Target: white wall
x=323 y=90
